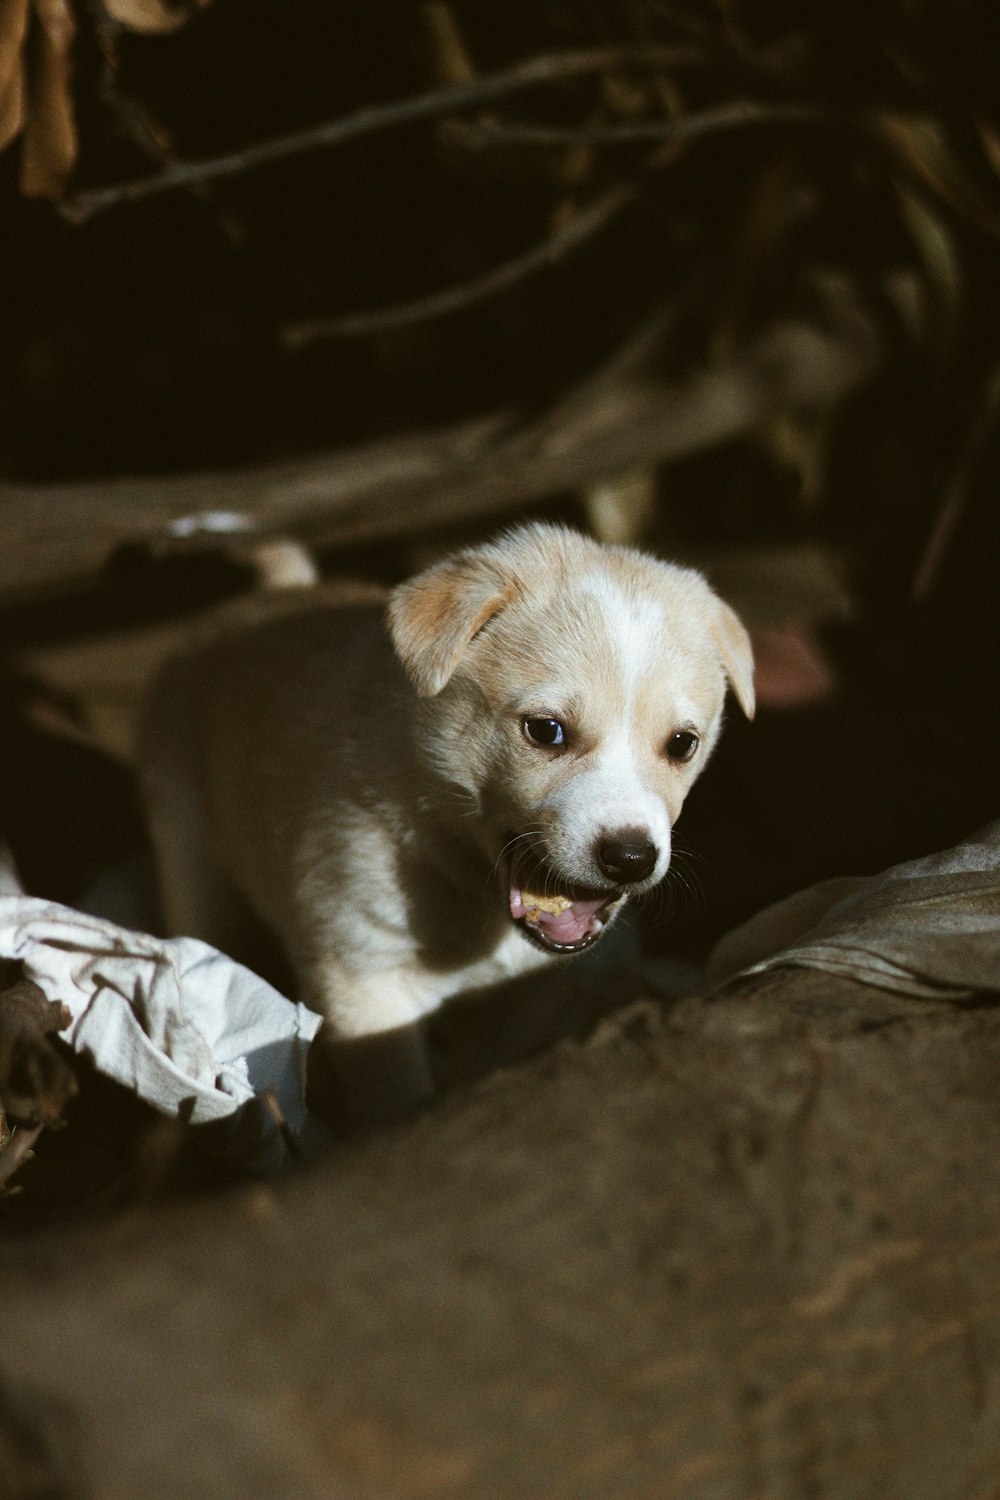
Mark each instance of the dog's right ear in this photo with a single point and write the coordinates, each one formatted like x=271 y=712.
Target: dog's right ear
x=736 y=650
x=435 y=616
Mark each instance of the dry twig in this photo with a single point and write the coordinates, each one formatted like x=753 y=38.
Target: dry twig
x=588 y=222
x=456 y=97
x=676 y=130
x=949 y=513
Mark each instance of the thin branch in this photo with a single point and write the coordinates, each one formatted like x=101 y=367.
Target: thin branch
x=680 y=129
x=587 y=224
x=477 y=92
x=956 y=495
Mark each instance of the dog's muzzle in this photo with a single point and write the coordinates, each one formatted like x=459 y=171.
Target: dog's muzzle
x=556 y=916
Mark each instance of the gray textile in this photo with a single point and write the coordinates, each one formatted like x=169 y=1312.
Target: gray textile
x=929 y=928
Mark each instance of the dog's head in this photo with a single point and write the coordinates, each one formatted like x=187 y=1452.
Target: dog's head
x=577 y=692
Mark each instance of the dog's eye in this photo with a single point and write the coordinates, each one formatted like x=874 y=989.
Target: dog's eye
x=681 y=745
x=544 y=731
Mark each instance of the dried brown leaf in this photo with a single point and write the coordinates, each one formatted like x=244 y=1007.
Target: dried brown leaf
x=50 y=144
x=152 y=16
x=11 y=108
x=40 y=104
x=13 y=28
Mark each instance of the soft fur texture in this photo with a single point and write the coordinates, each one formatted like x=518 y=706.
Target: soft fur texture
x=379 y=796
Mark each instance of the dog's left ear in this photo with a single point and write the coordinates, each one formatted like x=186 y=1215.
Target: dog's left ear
x=737 y=655
x=435 y=616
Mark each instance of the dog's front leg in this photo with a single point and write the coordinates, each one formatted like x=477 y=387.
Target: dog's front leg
x=371 y=1060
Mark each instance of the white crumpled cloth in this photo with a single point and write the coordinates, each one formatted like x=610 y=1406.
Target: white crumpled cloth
x=188 y=1029
x=929 y=928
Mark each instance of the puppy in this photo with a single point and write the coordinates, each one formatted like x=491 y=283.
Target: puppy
x=439 y=796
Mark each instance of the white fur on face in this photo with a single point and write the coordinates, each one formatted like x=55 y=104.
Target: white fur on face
x=610 y=798
x=625 y=662
x=612 y=795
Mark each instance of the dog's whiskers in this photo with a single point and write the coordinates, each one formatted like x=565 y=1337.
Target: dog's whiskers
x=528 y=838
x=683 y=878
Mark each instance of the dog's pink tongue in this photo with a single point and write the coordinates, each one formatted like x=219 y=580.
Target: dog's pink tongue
x=571 y=925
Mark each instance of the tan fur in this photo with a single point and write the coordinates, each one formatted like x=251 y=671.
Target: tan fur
x=354 y=777
x=434 y=618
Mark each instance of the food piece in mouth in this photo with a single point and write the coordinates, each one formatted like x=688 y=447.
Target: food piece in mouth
x=537 y=904
x=562 y=923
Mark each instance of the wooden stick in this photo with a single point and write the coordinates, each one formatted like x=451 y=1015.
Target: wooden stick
x=614 y=422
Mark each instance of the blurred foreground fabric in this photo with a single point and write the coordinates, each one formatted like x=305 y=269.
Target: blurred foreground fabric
x=191 y=1032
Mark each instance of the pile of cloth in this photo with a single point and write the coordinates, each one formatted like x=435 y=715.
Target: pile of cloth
x=193 y=1033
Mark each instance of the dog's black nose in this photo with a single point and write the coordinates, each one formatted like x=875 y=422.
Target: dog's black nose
x=627 y=857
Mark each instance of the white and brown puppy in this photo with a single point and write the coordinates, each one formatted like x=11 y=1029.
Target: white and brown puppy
x=433 y=799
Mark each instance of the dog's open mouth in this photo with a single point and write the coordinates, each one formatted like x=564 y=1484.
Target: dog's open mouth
x=559 y=917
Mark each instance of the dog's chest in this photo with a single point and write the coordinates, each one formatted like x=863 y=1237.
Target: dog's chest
x=511 y=958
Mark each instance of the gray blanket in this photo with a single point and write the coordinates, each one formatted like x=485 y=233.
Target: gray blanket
x=929 y=928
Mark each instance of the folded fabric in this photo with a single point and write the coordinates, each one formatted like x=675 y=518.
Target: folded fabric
x=188 y=1029
x=929 y=928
